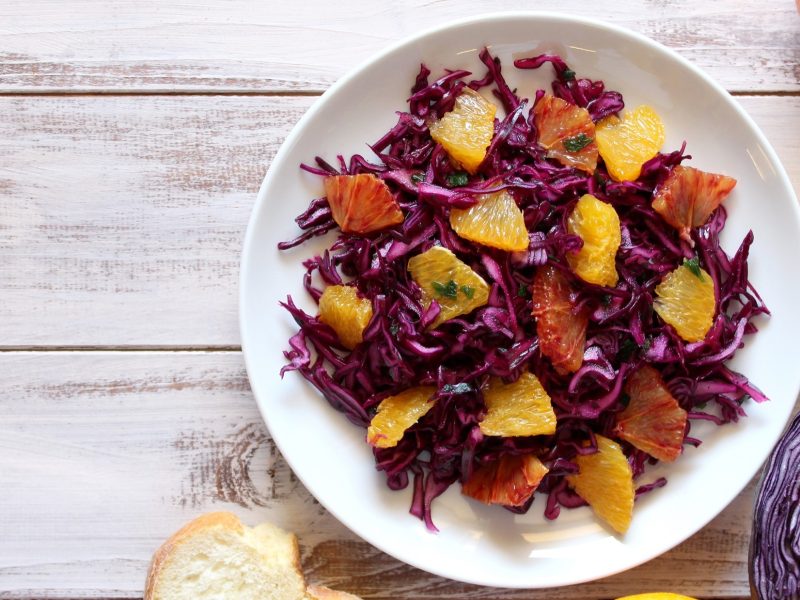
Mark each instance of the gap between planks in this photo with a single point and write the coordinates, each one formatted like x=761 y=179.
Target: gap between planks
x=311 y=93
x=112 y=348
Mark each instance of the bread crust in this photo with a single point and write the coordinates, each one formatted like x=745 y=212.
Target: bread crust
x=222 y=519
x=319 y=592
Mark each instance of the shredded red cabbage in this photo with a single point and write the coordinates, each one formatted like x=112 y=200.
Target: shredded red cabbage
x=499 y=339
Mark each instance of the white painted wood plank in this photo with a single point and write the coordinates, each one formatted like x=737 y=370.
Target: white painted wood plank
x=104 y=454
x=122 y=218
x=152 y=45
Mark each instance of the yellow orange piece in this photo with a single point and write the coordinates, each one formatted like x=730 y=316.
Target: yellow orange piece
x=597 y=224
x=453 y=284
x=605 y=481
x=567 y=133
x=494 y=221
x=346 y=313
x=397 y=413
x=657 y=596
x=518 y=409
x=627 y=143
x=466 y=131
x=686 y=299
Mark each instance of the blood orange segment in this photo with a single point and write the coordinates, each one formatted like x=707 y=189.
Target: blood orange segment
x=509 y=481
x=518 y=409
x=627 y=143
x=466 y=131
x=560 y=327
x=567 y=132
x=686 y=299
x=688 y=196
x=397 y=413
x=605 y=481
x=346 y=313
x=597 y=224
x=653 y=421
x=495 y=221
x=361 y=203
x=452 y=283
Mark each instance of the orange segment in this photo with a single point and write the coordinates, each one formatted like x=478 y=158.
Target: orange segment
x=361 y=203
x=597 y=224
x=561 y=330
x=494 y=221
x=509 y=481
x=605 y=481
x=688 y=196
x=686 y=299
x=626 y=144
x=567 y=132
x=466 y=131
x=397 y=413
x=518 y=409
x=346 y=313
x=443 y=277
x=653 y=421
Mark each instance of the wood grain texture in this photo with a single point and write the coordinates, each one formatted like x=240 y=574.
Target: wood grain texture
x=104 y=454
x=122 y=218
x=237 y=45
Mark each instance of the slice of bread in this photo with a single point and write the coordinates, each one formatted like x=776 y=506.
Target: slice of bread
x=216 y=557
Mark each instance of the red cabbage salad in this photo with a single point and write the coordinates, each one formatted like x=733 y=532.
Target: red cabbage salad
x=524 y=295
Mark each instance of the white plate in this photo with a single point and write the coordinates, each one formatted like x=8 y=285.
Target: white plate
x=487 y=545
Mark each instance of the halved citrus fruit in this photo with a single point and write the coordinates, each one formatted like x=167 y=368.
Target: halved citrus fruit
x=688 y=196
x=346 y=313
x=397 y=413
x=466 y=131
x=597 y=224
x=657 y=596
x=605 y=482
x=567 y=132
x=518 y=409
x=627 y=143
x=361 y=203
x=443 y=277
x=560 y=327
x=686 y=299
x=653 y=421
x=510 y=480
x=494 y=221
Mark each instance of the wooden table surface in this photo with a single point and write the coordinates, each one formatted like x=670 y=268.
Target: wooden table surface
x=133 y=138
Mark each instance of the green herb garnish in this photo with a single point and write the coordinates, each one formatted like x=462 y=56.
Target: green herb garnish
x=394 y=327
x=445 y=290
x=627 y=348
x=522 y=292
x=693 y=264
x=576 y=143
x=468 y=291
x=457 y=179
x=417 y=177
x=457 y=388
x=568 y=74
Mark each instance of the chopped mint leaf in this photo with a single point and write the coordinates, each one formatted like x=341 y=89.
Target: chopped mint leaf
x=626 y=348
x=468 y=291
x=567 y=74
x=394 y=328
x=576 y=143
x=445 y=290
x=417 y=177
x=457 y=388
x=522 y=291
x=457 y=179
x=647 y=343
x=693 y=264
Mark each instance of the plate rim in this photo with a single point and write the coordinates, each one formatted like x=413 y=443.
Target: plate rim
x=398 y=45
